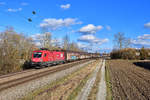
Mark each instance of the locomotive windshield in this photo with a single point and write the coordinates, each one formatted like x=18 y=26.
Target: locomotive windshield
x=37 y=54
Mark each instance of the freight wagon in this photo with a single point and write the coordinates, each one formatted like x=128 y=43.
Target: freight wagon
x=45 y=57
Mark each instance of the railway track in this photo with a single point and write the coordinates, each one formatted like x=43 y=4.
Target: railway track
x=18 y=81
x=12 y=76
x=16 y=73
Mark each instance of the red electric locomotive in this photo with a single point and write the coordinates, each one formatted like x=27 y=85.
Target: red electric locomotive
x=45 y=58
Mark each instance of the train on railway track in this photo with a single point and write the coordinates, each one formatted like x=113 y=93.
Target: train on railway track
x=44 y=57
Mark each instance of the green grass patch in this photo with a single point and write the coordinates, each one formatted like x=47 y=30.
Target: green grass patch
x=108 y=82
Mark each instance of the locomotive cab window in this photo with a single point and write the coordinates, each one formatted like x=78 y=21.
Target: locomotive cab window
x=37 y=54
x=45 y=55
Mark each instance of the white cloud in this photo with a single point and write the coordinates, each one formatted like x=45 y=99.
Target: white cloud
x=86 y=47
x=24 y=4
x=14 y=10
x=57 y=42
x=92 y=47
x=92 y=39
x=67 y=6
x=105 y=49
x=145 y=36
x=108 y=28
x=37 y=36
x=37 y=39
x=86 y=38
x=53 y=24
x=143 y=40
x=2 y=3
x=90 y=29
x=81 y=45
x=147 y=25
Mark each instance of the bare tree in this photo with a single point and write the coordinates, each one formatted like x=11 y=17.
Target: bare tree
x=66 y=43
x=56 y=44
x=74 y=47
x=120 y=41
x=47 y=40
x=14 y=50
x=127 y=43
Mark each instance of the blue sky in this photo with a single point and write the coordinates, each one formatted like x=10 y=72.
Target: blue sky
x=87 y=22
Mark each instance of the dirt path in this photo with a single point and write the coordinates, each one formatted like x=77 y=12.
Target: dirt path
x=101 y=95
x=129 y=82
x=88 y=86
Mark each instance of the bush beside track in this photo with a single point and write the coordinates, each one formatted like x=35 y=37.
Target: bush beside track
x=131 y=54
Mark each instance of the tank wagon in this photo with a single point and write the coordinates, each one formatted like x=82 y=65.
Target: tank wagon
x=44 y=57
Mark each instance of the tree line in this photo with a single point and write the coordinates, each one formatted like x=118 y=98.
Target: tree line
x=131 y=54
x=16 y=48
x=123 y=50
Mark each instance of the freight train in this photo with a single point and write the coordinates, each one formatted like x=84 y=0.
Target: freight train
x=44 y=57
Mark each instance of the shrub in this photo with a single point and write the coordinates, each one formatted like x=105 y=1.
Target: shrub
x=143 y=53
x=127 y=53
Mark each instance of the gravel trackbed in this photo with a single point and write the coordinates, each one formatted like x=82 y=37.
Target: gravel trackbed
x=23 y=89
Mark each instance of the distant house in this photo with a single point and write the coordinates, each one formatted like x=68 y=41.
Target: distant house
x=137 y=53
